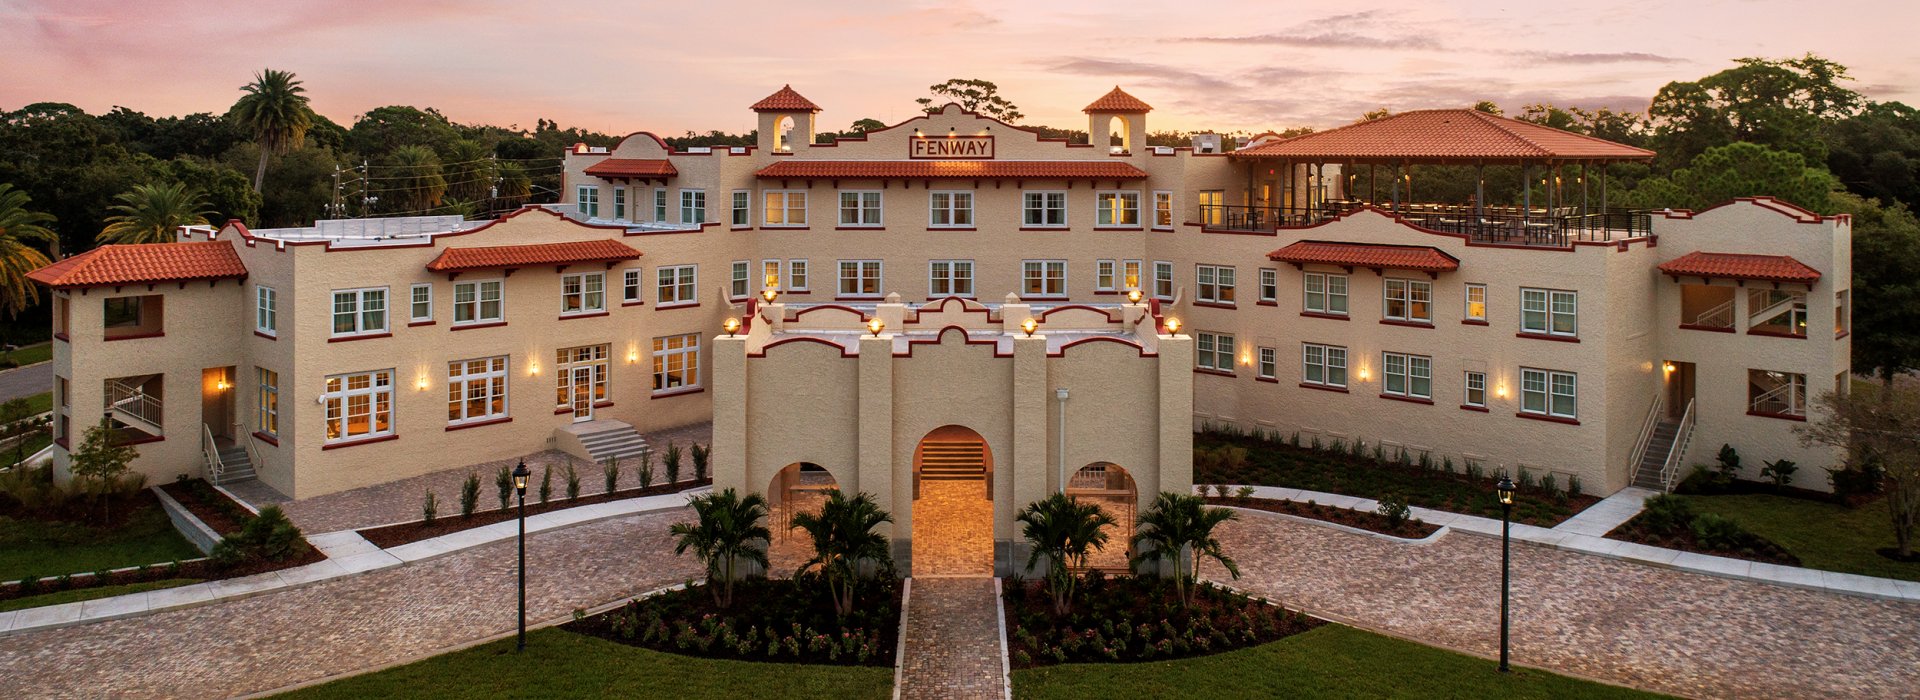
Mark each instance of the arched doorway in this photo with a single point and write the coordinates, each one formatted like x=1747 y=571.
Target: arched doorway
x=952 y=504
x=1112 y=488
x=797 y=488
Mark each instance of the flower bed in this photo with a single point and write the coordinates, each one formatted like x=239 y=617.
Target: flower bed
x=1670 y=521
x=1128 y=618
x=413 y=531
x=788 y=621
x=1371 y=522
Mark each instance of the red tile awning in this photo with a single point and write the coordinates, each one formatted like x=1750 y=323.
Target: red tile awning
x=144 y=263
x=633 y=169
x=1741 y=266
x=1368 y=255
x=785 y=100
x=1445 y=136
x=951 y=170
x=505 y=256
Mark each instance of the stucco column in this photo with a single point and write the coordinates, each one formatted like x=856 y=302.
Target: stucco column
x=1027 y=470
x=876 y=474
x=729 y=378
x=1176 y=416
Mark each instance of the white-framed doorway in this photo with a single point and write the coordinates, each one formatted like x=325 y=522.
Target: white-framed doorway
x=582 y=379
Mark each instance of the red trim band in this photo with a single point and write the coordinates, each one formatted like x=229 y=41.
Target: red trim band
x=479 y=423
x=1215 y=372
x=1771 y=334
x=1408 y=399
x=1547 y=418
x=471 y=326
x=1545 y=336
x=682 y=391
x=1409 y=324
x=1781 y=416
x=1476 y=409
x=268 y=336
x=1712 y=329
x=1324 y=387
x=1215 y=304
x=594 y=314
x=269 y=439
x=135 y=337
x=369 y=336
x=1473 y=322
x=417 y=324
x=677 y=305
x=354 y=443
x=1328 y=316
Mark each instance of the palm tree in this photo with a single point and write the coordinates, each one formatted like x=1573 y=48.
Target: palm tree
x=725 y=532
x=21 y=227
x=416 y=182
x=1175 y=525
x=843 y=537
x=277 y=114
x=515 y=185
x=152 y=213
x=469 y=170
x=1065 y=532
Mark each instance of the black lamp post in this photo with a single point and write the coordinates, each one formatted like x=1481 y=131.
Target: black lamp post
x=520 y=474
x=1505 y=491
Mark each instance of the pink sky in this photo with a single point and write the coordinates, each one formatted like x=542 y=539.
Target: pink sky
x=621 y=67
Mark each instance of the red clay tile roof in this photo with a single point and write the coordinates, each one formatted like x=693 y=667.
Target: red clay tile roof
x=1460 y=135
x=1741 y=266
x=952 y=170
x=494 y=257
x=143 y=264
x=1398 y=257
x=633 y=168
x=1118 y=101
x=785 y=100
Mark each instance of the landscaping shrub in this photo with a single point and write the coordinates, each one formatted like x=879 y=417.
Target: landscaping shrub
x=1666 y=514
x=646 y=469
x=1243 y=492
x=546 y=484
x=672 y=463
x=1729 y=463
x=700 y=455
x=469 y=495
x=1394 y=508
x=778 y=620
x=429 y=508
x=1139 y=618
x=1550 y=484
x=1702 y=480
x=1220 y=490
x=612 y=473
x=573 y=481
x=1716 y=531
x=268 y=536
x=1574 y=487
x=1852 y=483
x=1779 y=471
x=503 y=480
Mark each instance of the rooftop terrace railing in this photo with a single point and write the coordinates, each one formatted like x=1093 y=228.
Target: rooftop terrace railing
x=1557 y=228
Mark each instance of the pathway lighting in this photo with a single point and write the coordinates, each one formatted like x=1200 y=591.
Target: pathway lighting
x=770 y=294
x=1029 y=326
x=1133 y=296
x=520 y=474
x=732 y=325
x=1504 y=490
x=876 y=325
x=1173 y=325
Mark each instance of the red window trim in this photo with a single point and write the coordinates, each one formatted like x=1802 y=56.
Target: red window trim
x=269 y=439
x=1273 y=380
x=681 y=391
x=145 y=440
x=1215 y=372
x=1547 y=336
x=1547 y=418
x=417 y=324
x=1045 y=228
x=677 y=305
x=1778 y=416
x=1408 y=399
x=591 y=314
x=1473 y=322
x=135 y=337
x=859 y=297
x=1267 y=303
x=62 y=337
x=268 y=336
x=1324 y=387
x=1325 y=315
x=1476 y=409
x=1408 y=324
x=859 y=228
x=1711 y=329
x=1216 y=304
x=1771 y=334
x=369 y=336
x=633 y=303
x=471 y=326
x=479 y=423
x=952 y=228
x=356 y=443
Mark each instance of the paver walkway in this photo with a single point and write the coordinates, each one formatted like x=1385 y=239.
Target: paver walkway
x=270 y=641
x=953 y=649
x=1630 y=623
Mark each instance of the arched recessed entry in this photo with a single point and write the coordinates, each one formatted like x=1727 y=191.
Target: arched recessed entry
x=952 y=504
x=1112 y=488
x=797 y=488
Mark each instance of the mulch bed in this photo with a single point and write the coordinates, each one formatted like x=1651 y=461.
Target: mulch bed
x=402 y=533
x=212 y=507
x=1757 y=548
x=774 y=620
x=1371 y=522
x=1133 y=619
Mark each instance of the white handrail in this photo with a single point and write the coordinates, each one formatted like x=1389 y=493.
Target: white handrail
x=1646 y=434
x=212 y=453
x=247 y=439
x=1682 y=438
x=1705 y=317
x=1774 y=310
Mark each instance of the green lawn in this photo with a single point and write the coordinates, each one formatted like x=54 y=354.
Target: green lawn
x=561 y=664
x=79 y=594
x=1823 y=535
x=42 y=548
x=31 y=354
x=1332 y=661
x=40 y=403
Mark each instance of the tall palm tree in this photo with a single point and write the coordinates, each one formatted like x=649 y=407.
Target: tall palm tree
x=1064 y=531
x=277 y=114
x=20 y=228
x=843 y=537
x=1178 y=524
x=726 y=530
x=469 y=170
x=414 y=179
x=152 y=213
x=515 y=187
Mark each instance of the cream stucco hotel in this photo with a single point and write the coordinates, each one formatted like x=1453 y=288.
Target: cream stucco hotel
x=858 y=312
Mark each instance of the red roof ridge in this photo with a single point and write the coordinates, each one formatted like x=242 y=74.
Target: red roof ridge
x=144 y=263
x=1751 y=266
x=1117 y=100
x=785 y=100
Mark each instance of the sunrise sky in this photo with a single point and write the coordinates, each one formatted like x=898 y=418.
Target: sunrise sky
x=671 y=67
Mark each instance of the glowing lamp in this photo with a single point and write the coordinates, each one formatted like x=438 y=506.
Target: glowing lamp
x=1501 y=391
x=520 y=474
x=876 y=325
x=1133 y=296
x=770 y=294
x=731 y=325
x=1667 y=367
x=1505 y=490
x=533 y=367
x=632 y=355
x=1173 y=325
x=1029 y=326
x=221 y=385
x=420 y=383
x=1363 y=373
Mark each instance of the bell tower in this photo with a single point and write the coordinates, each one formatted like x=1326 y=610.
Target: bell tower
x=1128 y=113
x=786 y=121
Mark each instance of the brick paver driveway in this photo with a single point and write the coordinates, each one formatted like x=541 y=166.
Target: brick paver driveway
x=1647 y=627
x=269 y=641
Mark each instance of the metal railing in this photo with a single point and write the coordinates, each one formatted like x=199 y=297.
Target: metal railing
x=1711 y=317
x=1682 y=439
x=133 y=401
x=1771 y=401
x=1496 y=225
x=247 y=439
x=211 y=451
x=1646 y=434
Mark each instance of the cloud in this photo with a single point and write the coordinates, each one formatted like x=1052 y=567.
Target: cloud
x=1585 y=59
x=1326 y=40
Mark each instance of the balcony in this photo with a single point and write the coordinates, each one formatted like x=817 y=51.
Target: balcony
x=1546 y=228
x=136 y=407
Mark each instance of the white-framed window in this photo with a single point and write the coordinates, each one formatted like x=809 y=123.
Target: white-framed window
x=1323 y=365
x=742 y=208
x=1268 y=363
x=860 y=278
x=359 y=311
x=586 y=199
x=950 y=278
x=784 y=208
x=950 y=209
x=478 y=301
x=266 y=310
x=583 y=293
x=1326 y=293
x=676 y=362
x=1163 y=209
x=592 y=358
x=1549 y=393
x=476 y=389
x=1406 y=375
x=1269 y=284
x=1043 y=278
x=1213 y=351
x=693 y=206
x=358 y=405
x=660 y=204
x=620 y=202
x=420 y=303
x=1117 y=208
x=797 y=276
x=860 y=208
x=1476 y=302
x=266 y=415
x=1476 y=383
x=1104 y=272
x=1407 y=300
x=1129 y=274
x=1043 y=209
x=632 y=280
x=1773 y=393
x=1163 y=280
x=740 y=284
x=1549 y=312
x=674 y=284
x=1213 y=209
x=770 y=274
x=1213 y=283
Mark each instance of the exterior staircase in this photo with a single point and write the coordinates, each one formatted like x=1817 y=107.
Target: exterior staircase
x=613 y=439
x=1653 y=460
x=956 y=460
x=235 y=464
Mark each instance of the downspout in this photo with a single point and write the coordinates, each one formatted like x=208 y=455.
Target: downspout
x=1060 y=396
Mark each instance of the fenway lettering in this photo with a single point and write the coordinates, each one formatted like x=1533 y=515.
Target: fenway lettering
x=980 y=146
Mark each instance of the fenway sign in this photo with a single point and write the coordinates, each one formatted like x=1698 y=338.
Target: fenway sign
x=942 y=147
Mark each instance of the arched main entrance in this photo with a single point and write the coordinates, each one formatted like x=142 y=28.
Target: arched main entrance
x=1110 y=486
x=952 y=504
x=797 y=488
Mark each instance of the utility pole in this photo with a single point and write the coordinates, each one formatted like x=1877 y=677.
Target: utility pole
x=335 y=209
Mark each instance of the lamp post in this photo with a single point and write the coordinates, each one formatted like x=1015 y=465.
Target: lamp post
x=520 y=474
x=1505 y=490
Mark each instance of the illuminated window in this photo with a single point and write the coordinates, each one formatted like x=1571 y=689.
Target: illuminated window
x=476 y=389
x=1408 y=300
x=1476 y=302
x=676 y=362
x=358 y=405
x=1118 y=208
x=785 y=208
